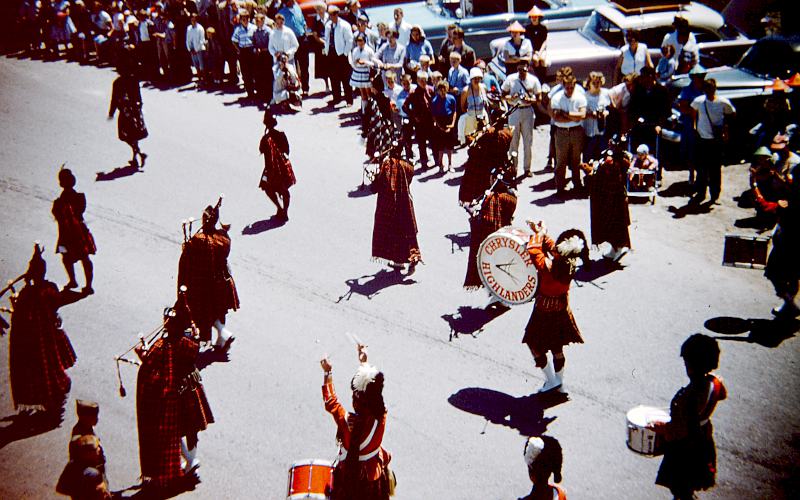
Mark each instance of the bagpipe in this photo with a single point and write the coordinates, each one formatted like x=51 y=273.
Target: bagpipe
x=499 y=174
x=145 y=342
x=383 y=139
x=4 y=325
x=186 y=224
x=473 y=138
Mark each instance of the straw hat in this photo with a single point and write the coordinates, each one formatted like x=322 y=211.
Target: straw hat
x=535 y=12
x=515 y=28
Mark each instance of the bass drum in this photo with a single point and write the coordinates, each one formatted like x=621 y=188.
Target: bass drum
x=505 y=266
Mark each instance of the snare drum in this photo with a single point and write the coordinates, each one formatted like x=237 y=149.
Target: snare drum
x=311 y=478
x=641 y=180
x=505 y=266
x=642 y=439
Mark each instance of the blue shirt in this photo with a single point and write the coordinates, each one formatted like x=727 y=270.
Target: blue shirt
x=443 y=106
x=294 y=20
x=689 y=94
x=415 y=50
x=401 y=99
x=243 y=37
x=458 y=78
x=490 y=81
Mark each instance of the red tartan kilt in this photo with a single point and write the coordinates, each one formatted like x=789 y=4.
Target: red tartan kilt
x=551 y=326
x=195 y=411
x=78 y=243
x=65 y=354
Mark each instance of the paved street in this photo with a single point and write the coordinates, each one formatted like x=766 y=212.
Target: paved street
x=460 y=406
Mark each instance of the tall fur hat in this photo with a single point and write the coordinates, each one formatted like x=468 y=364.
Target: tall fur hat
x=365 y=375
x=37 y=266
x=66 y=179
x=210 y=215
x=571 y=244
x=533 y=447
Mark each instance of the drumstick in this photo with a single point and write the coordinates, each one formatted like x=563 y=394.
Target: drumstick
x=485 y=424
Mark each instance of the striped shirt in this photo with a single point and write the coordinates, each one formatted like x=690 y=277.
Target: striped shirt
x=243 y=37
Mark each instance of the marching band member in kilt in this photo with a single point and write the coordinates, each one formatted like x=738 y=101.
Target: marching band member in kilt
x=394 y=237
x=277 y=176
x=608 y=202
x=551 y=325
x=544 y=458
x=483 y=155
x=127 y=98
x=378 y=125
x=690 y=454
x=171 y=404
x=362 y=467
x=203 y=269
x=75 y=242
x=39 y=350
x=495 y=211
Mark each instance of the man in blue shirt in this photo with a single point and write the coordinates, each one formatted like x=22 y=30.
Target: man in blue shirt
x=242 y=40
x=458 y=76
x=689 y=93
x=295 y=21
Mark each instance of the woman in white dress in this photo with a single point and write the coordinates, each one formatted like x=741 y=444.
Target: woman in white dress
x=362 y=59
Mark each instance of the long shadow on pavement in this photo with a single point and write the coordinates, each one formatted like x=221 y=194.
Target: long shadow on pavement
x=119 y=172
x=460 y=240
x=21 y=426
x=765 y=332
x=210 y=356
x=525 y=413
x=596 y=270
x=263 y=225
x=371 y=285
x=471 y=320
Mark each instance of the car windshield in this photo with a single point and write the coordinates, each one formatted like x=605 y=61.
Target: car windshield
x=600 y=27
x=487 y=7
x=771 y=58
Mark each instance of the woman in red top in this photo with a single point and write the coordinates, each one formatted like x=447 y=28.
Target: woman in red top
x=362 y=465
x=552 y=325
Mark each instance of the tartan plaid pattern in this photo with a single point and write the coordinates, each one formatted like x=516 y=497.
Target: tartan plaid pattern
x=394 y=236
x=608 y=204
x=39 y=350
x=73 y=234
x=551 y=325
x=488 y=153
x=203 y=268
x=496 y=212
x=277 y=167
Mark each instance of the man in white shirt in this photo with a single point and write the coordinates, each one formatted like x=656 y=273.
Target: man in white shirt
x=282 y=40
x=684 y=43
x=568 y=110
x=711 y=113
x=522 y=88
x=196 y=44
x=338 y=43
x=402 y=28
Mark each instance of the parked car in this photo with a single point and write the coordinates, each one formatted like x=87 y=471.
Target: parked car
x=484 y=20
x=597 y=45
x=747 y=84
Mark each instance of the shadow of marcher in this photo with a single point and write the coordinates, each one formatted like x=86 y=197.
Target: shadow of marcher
x=210 y=356
x=552 y=199
x=680 y=189
x=362 y=191
x=22 y=426
x=460 y=240
x=543 y=185
x=689 y=209
x=141 y=492
x=438 y=174
x=471 y=320
x=525 y=413
x=594 y=270
x=755 y=222
x=374 y=284
x=118 y=172
x=764 y=332
x=263 y=225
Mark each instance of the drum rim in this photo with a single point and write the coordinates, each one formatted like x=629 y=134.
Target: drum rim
x=312 y=462
x=509 y=232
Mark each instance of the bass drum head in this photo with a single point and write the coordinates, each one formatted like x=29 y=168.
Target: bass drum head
x=505 y=266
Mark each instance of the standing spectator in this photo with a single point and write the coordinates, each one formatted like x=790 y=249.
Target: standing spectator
x=361 y=60
x=102 y=27
x=371 y=36
x=443 y=139
x=522 y=88
x=196 y=45
x=317 y=42
x=474 y=105
x=569 y=111
x=418 y=108
x=598 y=102
x=457 y=76
x=712 y=114
x=215 y=58
x=634 y=56
x=402 y=28
x=227 y=24
x=162 y=28
x=282 y=40
x=417 y=47
x=353 y=12
x=489 y=80
x=684 y=44
x=783 y=267
x=295 y=21
x=620 y=94
x=264 y=64
x=651 y=106
x=383 y=30
x=403 y=122
x=391 y=56
x=688 y=94
x=536 y=32
x=392 y=90
x=443 y=59
x=242 y=39
x=666 y=65
x=517 y=49
x=459 y=47
x=145 y=45
x=180 y=12
x=338 y=43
